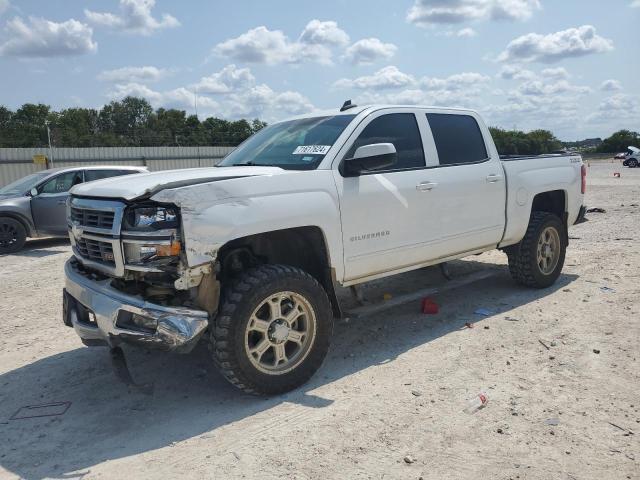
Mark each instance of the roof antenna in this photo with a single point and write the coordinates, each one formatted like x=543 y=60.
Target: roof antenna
x=347 y=105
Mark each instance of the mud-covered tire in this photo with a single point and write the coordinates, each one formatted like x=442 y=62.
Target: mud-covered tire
x=12 y=235
x=229 y=335
x=523 y=258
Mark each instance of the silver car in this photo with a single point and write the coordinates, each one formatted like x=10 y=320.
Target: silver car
x=35 y=206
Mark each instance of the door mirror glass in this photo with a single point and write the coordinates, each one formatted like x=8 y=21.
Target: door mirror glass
x=367 y=158
x=33 y=192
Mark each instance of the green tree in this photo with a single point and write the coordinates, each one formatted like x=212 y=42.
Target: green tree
x=619 y=142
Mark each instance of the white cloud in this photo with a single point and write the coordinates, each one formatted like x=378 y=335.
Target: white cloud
x=558 y=73
x=133 y=74
x=135 y=17
x=466 y=33
x=635 y=4
x=426 y=12
x=573 y=42
x=611 y=85
x=369 y=50
x=323 y=33
x=385 y=78
x=44 y=38
x=515 y=72
x=623 y=110
x=261 y=45
x=454 y=82
x=176 y=98
x=227 y=80
x=540 y=88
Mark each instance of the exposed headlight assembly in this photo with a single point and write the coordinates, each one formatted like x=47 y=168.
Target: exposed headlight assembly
x=155 y=217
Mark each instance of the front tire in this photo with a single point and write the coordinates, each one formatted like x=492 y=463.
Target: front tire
x=273 y=330
x=538 y=260
x=12 y=235
x=633 y=163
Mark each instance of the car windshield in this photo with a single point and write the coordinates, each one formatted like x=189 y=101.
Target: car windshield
x=22 y=186
x=293 y=145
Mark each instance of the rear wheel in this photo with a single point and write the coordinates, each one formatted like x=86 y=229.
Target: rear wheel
x=633 y=163
x=538 y=260
x=273 y=330
x=12 y=235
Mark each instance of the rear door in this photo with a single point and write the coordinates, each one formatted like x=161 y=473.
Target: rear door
x=48 y=207
x=91 y=175
x=468 y=186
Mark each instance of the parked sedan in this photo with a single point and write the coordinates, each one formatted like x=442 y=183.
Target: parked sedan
x=35 y=206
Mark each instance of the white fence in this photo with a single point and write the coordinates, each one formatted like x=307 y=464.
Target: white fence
x=16 y=163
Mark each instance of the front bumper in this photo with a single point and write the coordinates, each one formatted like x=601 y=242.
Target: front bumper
x=92 y=307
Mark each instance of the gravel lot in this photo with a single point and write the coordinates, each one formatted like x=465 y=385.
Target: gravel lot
x=394 y=384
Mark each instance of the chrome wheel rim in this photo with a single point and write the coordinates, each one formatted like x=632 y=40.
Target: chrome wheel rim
x=548 y=252
x=280 y=333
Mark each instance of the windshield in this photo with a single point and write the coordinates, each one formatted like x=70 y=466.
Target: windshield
x=294 y=145
x=22 y=186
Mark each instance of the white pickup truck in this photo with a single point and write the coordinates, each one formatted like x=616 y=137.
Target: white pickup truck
x=247 y=255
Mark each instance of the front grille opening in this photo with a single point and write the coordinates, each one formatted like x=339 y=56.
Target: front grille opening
x=96 y=250
x=92 y=218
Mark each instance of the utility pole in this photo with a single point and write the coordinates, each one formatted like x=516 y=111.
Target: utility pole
x=46 y=122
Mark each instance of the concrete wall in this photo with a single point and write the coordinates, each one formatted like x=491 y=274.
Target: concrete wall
x=16 y=163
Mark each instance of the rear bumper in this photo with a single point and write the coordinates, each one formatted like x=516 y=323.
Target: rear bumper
x=96 y=311
x=581 y=215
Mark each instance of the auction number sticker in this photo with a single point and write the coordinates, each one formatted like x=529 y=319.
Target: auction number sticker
x=312 y=150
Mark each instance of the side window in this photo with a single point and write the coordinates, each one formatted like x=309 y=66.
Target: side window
x=402 y=130
x=458 y=138
x=62 y=183
x=91 y=175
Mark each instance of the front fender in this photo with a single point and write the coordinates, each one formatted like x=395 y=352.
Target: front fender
x=216 y=213
x=19 y=209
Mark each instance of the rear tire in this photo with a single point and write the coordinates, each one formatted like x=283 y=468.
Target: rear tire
x=538 y=259
x=633 y=163
x=273 y=330
x=12 y=235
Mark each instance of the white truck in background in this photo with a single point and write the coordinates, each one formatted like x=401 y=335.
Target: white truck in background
x=247 y=255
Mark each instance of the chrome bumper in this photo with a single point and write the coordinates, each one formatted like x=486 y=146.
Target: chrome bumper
x=179 y=329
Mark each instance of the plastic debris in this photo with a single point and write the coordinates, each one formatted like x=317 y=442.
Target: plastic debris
x=429 y=307
x=476 y=403
x=484 y=311
x=552 y=421
x=607 y=289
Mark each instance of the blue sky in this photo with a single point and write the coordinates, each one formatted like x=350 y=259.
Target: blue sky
x=570 y=66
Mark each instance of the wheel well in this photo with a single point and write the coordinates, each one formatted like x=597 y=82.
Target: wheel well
x=302 y=247
x=553 y=202
x=20 y=219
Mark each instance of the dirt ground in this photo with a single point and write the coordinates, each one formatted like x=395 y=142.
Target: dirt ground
x=393 y=386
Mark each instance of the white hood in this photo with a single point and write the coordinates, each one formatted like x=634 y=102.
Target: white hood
x=129 y=187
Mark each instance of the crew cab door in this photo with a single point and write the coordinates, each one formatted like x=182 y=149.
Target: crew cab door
x=48 y=207
x=384 y=213
x=469 y=187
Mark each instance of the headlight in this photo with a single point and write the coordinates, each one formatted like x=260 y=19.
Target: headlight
x=152 y=217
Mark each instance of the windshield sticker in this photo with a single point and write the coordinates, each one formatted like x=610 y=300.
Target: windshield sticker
x=312 y=150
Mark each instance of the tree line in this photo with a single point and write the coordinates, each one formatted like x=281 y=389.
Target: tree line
x=130 y=122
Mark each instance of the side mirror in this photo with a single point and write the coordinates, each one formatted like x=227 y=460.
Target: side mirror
x=33 y=192
x=370 y=158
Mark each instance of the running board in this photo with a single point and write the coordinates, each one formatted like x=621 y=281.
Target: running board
x=372 y=309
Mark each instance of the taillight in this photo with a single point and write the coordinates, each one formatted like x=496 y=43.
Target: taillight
x=584 y=178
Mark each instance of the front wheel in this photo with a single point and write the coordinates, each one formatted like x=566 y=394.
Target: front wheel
x=12 y=235
x=273 y=330
x=633 y=163
x=538 y=260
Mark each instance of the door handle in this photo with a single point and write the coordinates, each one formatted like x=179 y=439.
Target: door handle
x=426 y=186
x=493 y=178
x=62 y=202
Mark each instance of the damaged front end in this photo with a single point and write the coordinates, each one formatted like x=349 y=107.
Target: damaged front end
x=129 y=280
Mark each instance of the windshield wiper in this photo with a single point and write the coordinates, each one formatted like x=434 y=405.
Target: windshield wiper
x=253 y=164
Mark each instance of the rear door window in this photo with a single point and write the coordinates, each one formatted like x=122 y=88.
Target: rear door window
x=402 y=130
x=458 y=138
x=91 y=175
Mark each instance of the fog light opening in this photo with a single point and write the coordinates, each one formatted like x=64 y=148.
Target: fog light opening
x=134 y=321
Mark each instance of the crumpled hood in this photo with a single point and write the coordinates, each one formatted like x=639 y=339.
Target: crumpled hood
x=143 y=185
